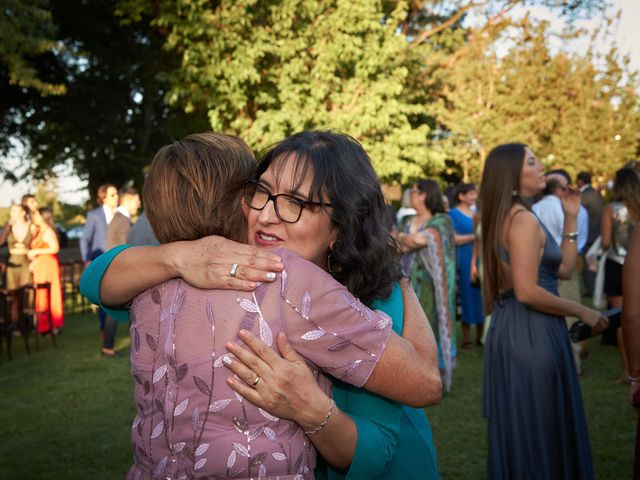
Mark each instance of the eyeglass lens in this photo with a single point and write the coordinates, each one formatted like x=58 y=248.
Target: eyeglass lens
x=287 y=208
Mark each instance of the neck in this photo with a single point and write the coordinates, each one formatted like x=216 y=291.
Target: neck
x=424 y=215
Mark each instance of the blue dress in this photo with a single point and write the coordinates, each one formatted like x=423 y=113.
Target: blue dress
x=394 y=441
x=531 y=393
x=470 y=297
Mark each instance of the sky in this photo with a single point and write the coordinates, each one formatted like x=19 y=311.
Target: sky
x=71 y=189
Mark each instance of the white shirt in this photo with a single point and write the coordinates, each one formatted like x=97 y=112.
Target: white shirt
x=549 y=211
x=108 y=213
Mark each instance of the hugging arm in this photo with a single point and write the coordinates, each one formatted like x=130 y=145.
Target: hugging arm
x=116 y=279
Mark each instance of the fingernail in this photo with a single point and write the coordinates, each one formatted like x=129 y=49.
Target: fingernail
x=280 y=265
x=226 y=360
x=270 y=276
x=242 y=333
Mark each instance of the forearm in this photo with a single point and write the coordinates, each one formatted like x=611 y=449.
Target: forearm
x=418 y=386
x=410 y=241
x=417 y=330
x=463 y=239
x=135 y=270
x=541 y=300
x=569 y=249
x=337 y=440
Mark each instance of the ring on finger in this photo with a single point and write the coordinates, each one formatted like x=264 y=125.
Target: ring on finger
x=234 y=270
x=255 y=382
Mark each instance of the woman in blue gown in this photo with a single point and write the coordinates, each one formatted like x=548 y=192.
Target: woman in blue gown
x=531 y=394
x=462 y=215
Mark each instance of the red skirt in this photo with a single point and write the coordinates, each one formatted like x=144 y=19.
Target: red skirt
x=47 y=269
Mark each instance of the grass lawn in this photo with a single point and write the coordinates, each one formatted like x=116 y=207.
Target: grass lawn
x=65 y=412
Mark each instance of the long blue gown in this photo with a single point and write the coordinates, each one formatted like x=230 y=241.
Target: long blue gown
x=531 y=396
x=470 y=297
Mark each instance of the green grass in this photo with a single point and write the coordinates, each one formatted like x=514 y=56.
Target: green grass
x=65 y=412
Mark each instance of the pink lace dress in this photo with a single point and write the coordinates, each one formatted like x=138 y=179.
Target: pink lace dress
x=189 y=424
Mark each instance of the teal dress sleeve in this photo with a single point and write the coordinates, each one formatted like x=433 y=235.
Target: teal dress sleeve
x=92 y=278
x=377 y=419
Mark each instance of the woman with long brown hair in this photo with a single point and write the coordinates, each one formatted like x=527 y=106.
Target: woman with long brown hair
x=532 y=398
x=618 y=219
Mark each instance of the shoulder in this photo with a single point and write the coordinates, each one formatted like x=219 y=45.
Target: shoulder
x=302 y=269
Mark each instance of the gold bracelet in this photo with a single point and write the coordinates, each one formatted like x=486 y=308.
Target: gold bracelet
x=324 y=422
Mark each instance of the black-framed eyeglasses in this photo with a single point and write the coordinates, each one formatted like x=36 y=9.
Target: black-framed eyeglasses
x=288 y=208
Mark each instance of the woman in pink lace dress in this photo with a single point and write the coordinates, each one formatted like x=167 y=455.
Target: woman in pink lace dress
x=189 y=422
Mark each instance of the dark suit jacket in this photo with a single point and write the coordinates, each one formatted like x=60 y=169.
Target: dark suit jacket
x=118 y=230
x=94 y=235
x=593 y=203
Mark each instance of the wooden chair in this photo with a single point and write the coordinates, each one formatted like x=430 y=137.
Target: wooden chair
x=68 y=284
x=31 y=315
x=12 y=320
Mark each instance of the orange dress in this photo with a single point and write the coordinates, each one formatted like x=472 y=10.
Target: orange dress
x=47 y=269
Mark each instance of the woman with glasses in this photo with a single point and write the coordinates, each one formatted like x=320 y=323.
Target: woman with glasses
x=427 y=239
x=293 y=206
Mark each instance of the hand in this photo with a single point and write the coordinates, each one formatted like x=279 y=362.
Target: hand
x=594 y=319
x=31 y=254
x=286 y=387
x=571 y=202
x=32 y=266
x=206 y=263
x=474 y=273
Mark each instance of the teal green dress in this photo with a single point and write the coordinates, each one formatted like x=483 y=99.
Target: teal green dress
x=394 y=441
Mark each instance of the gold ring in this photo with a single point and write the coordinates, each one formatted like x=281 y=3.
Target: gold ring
x=255 y=382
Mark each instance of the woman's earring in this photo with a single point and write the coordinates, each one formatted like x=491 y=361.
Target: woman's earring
x=331 y=268
x=515 y=193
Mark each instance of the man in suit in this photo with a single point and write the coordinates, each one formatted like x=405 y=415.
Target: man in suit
x=94 y=236
x=117 y=235
x=593 y=203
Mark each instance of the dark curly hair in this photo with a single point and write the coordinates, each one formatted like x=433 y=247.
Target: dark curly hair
x=365 y=257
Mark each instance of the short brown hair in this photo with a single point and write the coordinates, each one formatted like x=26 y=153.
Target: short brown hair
x=102 y=192
x=194 y=188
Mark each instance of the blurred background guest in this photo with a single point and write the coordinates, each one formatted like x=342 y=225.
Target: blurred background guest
x=141 y=232
x=94 y=236
x=428 y=240
x=17 y=234
x=466 y=195
x=117 y=233
x=29 y=202
x=46 y=269
x=550 y=212
x=593 y=203
x=615 y=230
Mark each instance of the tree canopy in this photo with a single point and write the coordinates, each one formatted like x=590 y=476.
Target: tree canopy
x=428 y=87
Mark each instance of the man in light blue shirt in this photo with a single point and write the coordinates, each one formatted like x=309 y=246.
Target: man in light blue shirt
x=549 y=211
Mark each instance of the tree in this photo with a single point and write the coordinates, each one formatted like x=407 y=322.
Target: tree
x=112 y=118
x=575 y=111
x=26 y=31
x=264 y=70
